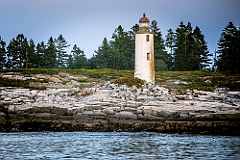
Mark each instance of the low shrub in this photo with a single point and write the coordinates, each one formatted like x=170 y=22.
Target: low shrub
x=129 y=81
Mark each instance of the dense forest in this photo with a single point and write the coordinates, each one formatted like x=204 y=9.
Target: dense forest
x=182 y=49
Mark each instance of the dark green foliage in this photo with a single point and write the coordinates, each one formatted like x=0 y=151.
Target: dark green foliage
x=162 y=58
x=229 y=49
x=32 y=57
x=200 y=49
x=190 y=48
x=17 y=52
x=122 y=49
x=118 y=53
x=61 y=56
x=50 y=55
x=186 y=50
x=103 y=56
x=40 y=51
x=77 y=58
x=2 y=53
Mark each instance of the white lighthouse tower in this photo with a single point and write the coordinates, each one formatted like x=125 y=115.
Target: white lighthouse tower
x=144 y=52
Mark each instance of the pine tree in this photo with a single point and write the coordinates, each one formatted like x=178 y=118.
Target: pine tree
x=40 y=52
x=50 y=54
x=162 y=58
x=190 y=49
x=180 y=51
x=121 y=49
x=169 y=42
x=132 y=34
x=2 y=53
x=17 y=52
x=77 y=59
x=229 y=49
x=32 y=58
x=201 y=50
x=103 y=56
x=170 y=38
x=61 y=45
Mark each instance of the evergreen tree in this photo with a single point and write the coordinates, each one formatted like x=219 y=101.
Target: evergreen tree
x=169 y=42
x=132 y=34
x=61 y=56
x=50 y=55
x=162 y=59
x=190 y=49
x=215 y=60
x=121 y=49
x=103 y=56
x=17 y=52
x=32 y=58
x=40 y=53
x=70 y=62
x=229 y=49
x=92 y=62
x=170 y=38
x=180 y=51
x=77 y=58
x=2 y=53
x=201 y=50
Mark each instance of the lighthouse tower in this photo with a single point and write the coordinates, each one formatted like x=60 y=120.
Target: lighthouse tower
x=144 y=52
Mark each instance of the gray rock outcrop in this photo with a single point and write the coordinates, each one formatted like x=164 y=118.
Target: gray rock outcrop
x=112 y=107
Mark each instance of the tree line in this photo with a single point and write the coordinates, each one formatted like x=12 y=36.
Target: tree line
x=182 y=49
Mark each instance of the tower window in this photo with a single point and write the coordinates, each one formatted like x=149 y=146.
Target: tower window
x=147 y=38
x=148 y=56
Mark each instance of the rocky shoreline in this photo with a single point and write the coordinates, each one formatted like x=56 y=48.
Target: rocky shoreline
x=112 y=107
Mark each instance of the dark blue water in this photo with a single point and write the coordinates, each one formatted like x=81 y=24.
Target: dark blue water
x=116 y=145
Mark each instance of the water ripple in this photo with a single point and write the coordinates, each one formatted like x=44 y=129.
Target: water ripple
x=116 y=145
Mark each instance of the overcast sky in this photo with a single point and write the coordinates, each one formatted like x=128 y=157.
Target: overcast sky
x=87 y=22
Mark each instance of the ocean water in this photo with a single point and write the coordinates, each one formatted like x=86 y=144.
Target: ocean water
x=116 y=145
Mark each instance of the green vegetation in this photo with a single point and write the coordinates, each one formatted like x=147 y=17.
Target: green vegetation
x=174 y=80
x=129 y=81
x=228 y=58
x=183 y=49
x=23 y=84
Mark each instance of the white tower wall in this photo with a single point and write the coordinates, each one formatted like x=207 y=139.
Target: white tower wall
x=144 y=57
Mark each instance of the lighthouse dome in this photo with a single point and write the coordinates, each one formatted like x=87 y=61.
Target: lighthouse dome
x=144 y=19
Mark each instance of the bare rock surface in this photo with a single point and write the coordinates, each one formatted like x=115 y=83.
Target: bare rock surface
x=112 y=107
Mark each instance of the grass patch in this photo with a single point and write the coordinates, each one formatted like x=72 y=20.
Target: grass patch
x=201 y=80
x=21 y=84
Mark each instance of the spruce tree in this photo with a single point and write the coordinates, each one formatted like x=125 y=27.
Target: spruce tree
x=201 y=50
x=161 y=57
x=132 y=34
x=32 y=58
x=229 y=49
x=50 y=55
x=77 y=58
x=121 y=49
x=190 y=49
x=180 y=51
x=17 y=52
x=2 y=53
x=169 y=42
x=61 y=56
x=40 y=53
x=103 y=56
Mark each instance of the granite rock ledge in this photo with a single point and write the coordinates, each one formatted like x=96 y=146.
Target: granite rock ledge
x=112 y=107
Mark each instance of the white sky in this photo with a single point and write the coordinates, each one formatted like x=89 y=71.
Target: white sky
x=87 y=22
